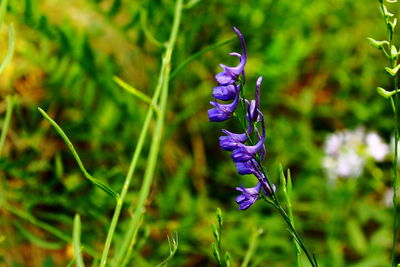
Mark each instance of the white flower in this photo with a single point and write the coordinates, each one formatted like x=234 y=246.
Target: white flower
x=332 y=144
x=347 y=151
x=376 y=148
x=350 y=164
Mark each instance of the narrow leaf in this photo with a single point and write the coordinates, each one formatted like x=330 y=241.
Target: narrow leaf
x=135 y=92
x=95 y=181
x=76 y=238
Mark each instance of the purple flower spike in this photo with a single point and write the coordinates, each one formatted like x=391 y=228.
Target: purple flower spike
x=229 y=75
x=222 y=112
x=225 y=92
x=248 y=196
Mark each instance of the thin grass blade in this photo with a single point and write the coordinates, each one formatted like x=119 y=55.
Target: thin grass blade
x=95 y=181
x=76 y=238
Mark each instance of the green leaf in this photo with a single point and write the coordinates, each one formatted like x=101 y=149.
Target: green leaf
x=228 y=259
x=289 y=182
x=95 y=181
x=393 y=72
x=215 y=252
x=219 y=217
x=135 y=92
x=392 y=25
x=282 y=179
x=386 y=12
x=384 y=93
x=377 y=44
x=76 y=238
x=215 y=232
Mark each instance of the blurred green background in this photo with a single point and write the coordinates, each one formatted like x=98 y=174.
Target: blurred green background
x=320 y=76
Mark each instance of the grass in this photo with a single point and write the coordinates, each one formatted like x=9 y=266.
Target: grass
x=128 y=84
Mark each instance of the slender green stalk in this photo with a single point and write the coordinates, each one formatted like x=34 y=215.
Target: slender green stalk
x=395 y=107
x=129 y=176
x=274 y=201
x=7 y=120
x=76 y=238
x=123 y=254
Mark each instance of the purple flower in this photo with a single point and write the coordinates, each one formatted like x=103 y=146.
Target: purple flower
x=229 y=75
x=231 y=140
x=248 y=196
x=222 y=112
x=243 y=153
x=225 y=92
x=247 y=167
x=254 y=105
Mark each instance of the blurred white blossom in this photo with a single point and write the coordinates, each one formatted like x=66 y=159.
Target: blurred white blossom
x=376 y=148
x=347 y=151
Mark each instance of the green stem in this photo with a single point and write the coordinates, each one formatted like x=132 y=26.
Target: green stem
x=7 y=120
x=312 y=260
x=129 y=176
x=395 y=107
x=123 y=254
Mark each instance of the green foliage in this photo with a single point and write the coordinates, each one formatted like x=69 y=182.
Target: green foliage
x=320 y=76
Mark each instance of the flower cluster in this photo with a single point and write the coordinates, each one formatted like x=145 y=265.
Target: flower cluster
x=247 y=148
x=346 y=152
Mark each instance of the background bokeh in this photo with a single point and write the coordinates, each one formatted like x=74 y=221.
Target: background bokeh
x=320 y=76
